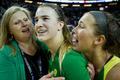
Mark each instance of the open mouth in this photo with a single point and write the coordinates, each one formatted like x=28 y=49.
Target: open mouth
x=26 y=30
x=74 y=41
x=41 y=31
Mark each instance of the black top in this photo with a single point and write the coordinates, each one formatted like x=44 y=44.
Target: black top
x=36 y=66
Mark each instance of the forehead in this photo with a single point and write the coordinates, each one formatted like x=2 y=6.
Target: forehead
x=45 y=11
x=18 y=15
x=87 y=19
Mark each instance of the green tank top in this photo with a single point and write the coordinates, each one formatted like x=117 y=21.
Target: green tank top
x=54 y=65
x=73 y=67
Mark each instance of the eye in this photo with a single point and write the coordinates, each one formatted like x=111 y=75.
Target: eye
x=25 y=19
x=81 y=26
x=45 y=18
x=36 y=20
x=17 y=22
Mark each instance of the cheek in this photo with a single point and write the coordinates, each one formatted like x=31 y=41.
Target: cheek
x=81 y=35
x=52 y=28
x=15 y=30
x=53 y=32
x=85 y=40
x=12 y=29
x=31 y=27
x=30 y=24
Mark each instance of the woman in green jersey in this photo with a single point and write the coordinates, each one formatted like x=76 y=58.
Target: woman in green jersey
x=51 y=28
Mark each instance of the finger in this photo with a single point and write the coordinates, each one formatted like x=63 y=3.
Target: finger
x=91 y=70
x=58 y=78
x=90 y=65
x=49 y=75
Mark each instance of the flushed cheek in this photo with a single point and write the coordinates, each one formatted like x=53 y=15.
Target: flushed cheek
x=82 y=39
x=80 y=35
x=15 y=30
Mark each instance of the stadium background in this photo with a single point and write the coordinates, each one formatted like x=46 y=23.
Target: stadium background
x=73 y=9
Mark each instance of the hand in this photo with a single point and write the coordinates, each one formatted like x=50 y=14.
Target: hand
x=49 y=77
x=91 y=70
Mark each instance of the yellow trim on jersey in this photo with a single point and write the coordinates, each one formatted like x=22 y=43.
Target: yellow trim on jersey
x=115 y=60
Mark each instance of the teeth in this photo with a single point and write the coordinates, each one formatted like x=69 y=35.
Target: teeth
x=25 y=30
x=42 y=31
x=74 y=40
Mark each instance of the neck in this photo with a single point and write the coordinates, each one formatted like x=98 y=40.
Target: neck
x=29 y=47
x=25 y=43
x=99 y=59
x=54 y=43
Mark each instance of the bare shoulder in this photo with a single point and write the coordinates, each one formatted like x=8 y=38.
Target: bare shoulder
x=114 y=73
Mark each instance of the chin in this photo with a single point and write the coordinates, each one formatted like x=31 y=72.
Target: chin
x=40 y=38
x=44 y=39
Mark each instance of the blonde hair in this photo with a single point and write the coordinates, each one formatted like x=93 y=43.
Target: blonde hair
x=66 y=34
x=4 y=26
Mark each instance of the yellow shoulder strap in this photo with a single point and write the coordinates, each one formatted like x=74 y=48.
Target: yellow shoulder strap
x=115 y=60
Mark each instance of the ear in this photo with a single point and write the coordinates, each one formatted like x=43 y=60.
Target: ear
x=100 y=40
x=61 y=25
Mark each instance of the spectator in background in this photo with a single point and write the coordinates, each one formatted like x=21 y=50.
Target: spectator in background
x=97 y=35
x=2 y=10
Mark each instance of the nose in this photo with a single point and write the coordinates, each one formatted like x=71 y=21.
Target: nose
x=23 y=23
x=38 y=24
x=73 y=31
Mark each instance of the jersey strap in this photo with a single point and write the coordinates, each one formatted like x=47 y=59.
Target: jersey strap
x=115 y=60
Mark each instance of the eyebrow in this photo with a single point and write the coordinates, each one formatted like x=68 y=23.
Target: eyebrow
x=16 y=20
x=42 y=16
x=80 y=22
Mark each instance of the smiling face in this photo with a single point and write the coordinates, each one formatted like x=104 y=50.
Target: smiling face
x=20 y=26
x=47 y=24
x=83 y=35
